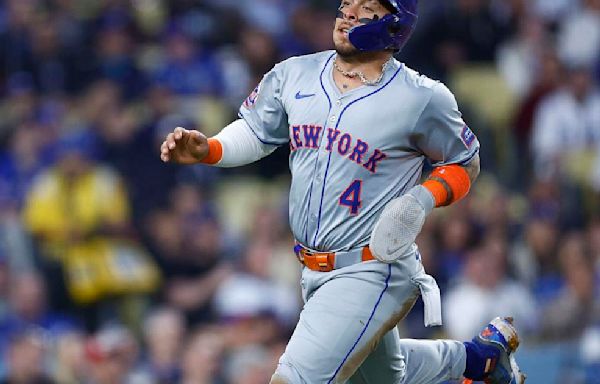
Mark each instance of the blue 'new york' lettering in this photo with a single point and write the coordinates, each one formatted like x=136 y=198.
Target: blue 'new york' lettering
x=296 y=137
x=375 y=159
x=359 y=150
x=311 y=135
x=332 y=135
x=344 y=144
x=308 y=136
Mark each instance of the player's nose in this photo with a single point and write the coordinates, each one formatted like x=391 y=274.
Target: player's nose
x=348 y=13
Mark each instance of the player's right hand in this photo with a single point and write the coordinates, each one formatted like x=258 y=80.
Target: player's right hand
x=184 y=146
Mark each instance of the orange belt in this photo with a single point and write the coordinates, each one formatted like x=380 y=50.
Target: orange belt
x=328 y=261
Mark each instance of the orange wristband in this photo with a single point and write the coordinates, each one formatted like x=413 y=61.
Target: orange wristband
x=215 y=152
x=453 y=177
x=437 y=189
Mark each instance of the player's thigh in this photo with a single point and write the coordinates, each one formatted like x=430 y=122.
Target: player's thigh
x=384 y=365
x=342 y=324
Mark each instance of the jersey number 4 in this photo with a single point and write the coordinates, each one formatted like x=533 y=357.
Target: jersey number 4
x=351 y=197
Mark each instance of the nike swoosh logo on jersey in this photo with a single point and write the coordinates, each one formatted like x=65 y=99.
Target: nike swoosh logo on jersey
x=299 y=96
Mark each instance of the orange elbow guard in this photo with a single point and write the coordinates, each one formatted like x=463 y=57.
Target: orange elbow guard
x=215 y=152
x=448 y=184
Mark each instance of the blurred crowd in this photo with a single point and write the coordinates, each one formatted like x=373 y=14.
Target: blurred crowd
x=117 y=268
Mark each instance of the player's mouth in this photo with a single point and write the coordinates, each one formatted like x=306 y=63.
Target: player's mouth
x=344 y=27
x=344 y=31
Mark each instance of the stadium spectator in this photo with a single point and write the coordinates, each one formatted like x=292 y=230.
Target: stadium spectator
x=519 y=58
x=164 y=332
x=188 y=69
x=70 y=365
x=566 y=125
x=15 y=46
x=547 y=78
x=79 y=213
x=112 y=354
x=188 y=245
x=52 y=69
x=456 y=235
x=584 y=22
x=534 y=258
x=202 y=357
x=25 y=359
x=250 y=293
x=28 y=309
x=249 y=365
x=486 y=290
x=20 y=164
x=461 y=31
x=115 y=61
x=566 y=317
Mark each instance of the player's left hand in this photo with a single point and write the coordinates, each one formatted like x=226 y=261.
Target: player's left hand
x=399 y=225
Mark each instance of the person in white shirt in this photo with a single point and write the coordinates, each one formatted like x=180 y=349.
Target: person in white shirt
x=567 y=122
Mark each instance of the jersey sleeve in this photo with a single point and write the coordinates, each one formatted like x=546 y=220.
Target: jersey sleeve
x=263 y=110
x=441 y=134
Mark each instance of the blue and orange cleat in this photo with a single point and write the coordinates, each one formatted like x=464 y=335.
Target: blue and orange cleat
x=496 y=345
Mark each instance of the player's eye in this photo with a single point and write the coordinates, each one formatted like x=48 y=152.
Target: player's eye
x=368 y=9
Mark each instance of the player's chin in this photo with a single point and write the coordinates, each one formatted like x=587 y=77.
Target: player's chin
x=341 y=39
x=346 y=49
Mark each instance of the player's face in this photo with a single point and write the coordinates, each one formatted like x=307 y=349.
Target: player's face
x=352 y=13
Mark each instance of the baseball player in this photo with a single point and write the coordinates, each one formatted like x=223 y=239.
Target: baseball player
x=360 y=126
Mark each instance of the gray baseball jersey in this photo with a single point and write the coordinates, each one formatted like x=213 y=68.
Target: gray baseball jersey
x=353 y=152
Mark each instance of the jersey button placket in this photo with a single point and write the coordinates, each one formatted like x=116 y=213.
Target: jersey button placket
x=319 y=175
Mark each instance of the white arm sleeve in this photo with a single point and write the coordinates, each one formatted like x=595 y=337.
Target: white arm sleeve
x=241 y=146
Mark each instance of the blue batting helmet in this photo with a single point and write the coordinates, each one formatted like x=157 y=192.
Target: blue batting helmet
x=391 y=31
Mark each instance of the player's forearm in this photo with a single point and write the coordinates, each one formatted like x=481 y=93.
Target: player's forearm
x=473 y=168
x=446 y=185
x=450 y=183
x=240 y=146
